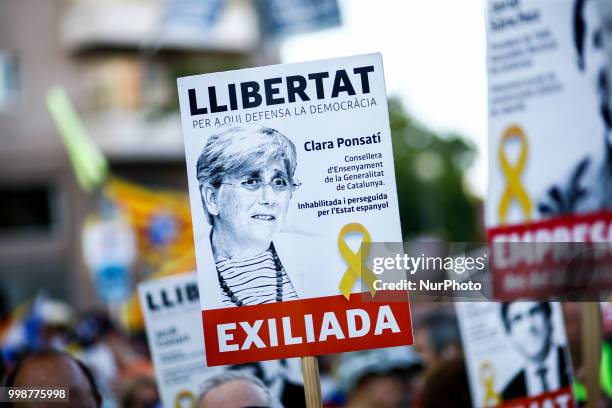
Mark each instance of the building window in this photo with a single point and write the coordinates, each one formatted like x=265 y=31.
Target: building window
x=27 y=210
x=10 y=81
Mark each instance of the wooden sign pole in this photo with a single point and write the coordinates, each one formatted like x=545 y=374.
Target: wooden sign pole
x=312 y=384
x=591 y=351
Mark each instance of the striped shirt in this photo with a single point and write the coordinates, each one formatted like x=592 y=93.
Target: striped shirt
x=253 y=280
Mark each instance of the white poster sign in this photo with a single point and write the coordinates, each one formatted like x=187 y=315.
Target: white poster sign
x=173 y=322
x=290 y=168
x=516 y=354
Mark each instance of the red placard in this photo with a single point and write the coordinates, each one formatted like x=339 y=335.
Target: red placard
x=561 y=398
x=306 y=327
x=595 y=227
x=561 y=256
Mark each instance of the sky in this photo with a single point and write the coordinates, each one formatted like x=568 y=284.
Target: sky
x=434 y=54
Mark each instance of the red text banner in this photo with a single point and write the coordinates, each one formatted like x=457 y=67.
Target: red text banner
x=575 y=228
x=564 y=256
x=562 y=398
x=306 y=327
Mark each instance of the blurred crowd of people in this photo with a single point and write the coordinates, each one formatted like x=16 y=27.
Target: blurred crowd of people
x=46 y=343
x=45 y=335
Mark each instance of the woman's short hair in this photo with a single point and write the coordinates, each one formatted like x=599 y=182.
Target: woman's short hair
x=239 y=148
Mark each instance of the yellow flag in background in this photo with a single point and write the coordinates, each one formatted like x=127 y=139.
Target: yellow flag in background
x=160 y=218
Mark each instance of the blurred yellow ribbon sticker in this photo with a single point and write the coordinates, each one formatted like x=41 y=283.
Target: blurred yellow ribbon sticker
x=514 y=189
x=356 y=268
x=487 y=377
x=185 y=399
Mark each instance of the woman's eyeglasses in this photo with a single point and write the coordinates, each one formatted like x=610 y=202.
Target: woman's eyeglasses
x=279 y=184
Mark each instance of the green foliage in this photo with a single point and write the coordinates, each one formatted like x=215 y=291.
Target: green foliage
x=430 y=171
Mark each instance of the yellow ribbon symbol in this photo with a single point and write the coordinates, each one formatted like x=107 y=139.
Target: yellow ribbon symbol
x=487 y=377
x=182 y=396
x=356 y=268
x=514 y=189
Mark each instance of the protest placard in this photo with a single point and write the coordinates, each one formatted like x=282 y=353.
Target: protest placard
x=550 y=132
x=171 y=310
x=549 y=135
x=170 y=307
x=516 y=354
x=550 y=127
x=290 y=168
